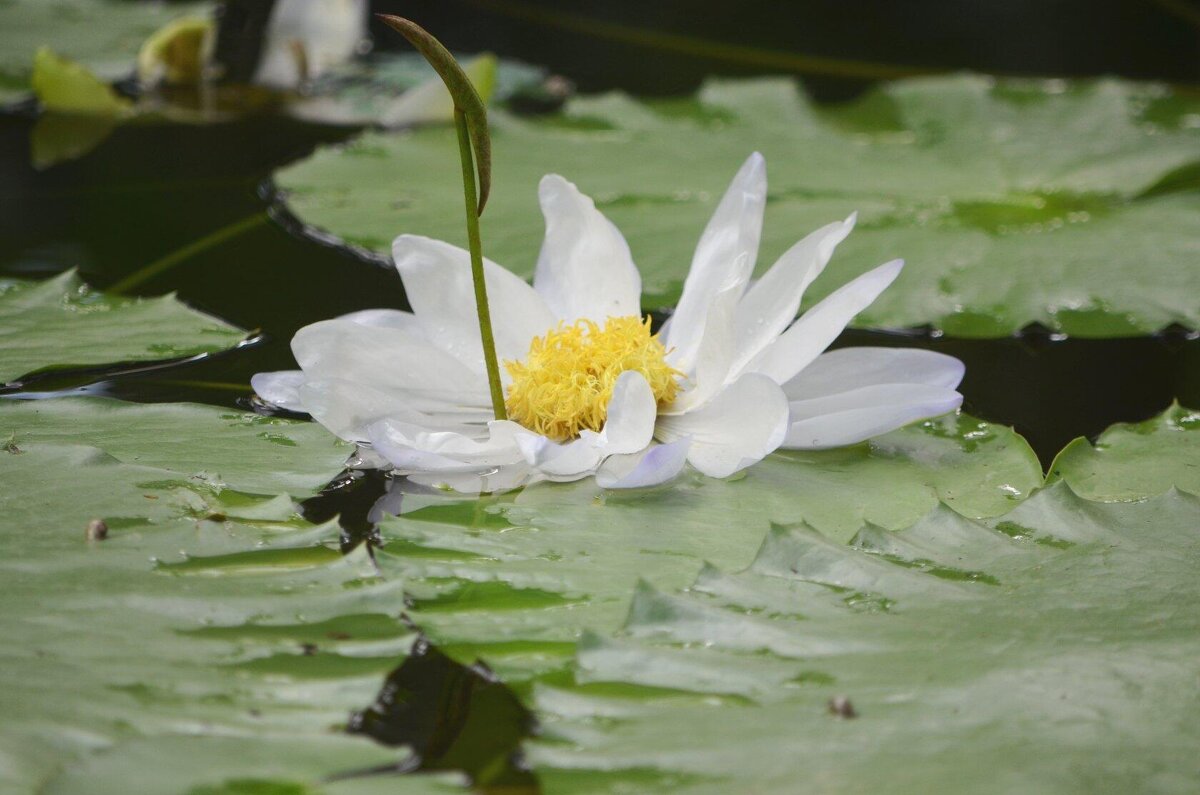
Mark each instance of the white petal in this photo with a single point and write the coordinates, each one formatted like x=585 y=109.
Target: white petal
x=437 y=280
x=364 y=457
x=655 y=465
x=347 y=408
x=386 y=318
x=281 y=388
x=499 y=479
x=771 y=303
x=387 y=359
x=713 y=356
x=628 y=429
x=305 y=39
x=563 y=462
x=412 y=448
x=739 y=427
x=724 y=257
x=819 y=326
x=584 y=269
x=851 y=368
x=857 y=415
x=631 y=414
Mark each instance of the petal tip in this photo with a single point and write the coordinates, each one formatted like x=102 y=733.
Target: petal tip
x=891 y=269
x=959 y=370
x=550 y=182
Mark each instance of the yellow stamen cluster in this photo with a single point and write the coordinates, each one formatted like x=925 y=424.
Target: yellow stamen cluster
x=565 y=383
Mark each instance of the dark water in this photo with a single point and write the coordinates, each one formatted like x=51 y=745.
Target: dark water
x=150 y=190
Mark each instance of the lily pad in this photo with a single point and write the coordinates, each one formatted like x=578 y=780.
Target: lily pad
x=1132 y=461
x=215 y=634
x=201 y=444
x=516 y=580
x=63 y=323
x=213 y=611
x=103 y=35
x=1063 y=187
x=107 y=675
x=207 y=765
x=1051 y=649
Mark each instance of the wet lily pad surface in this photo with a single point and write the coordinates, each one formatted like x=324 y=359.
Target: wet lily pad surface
x=105 y=663
x=1132 y=461
x=1061 y=187
x=63 y=323
x=923 y=576
x=1051 y=642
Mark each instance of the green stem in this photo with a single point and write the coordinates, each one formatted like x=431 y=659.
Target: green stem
x=476 y=248
x=187 y=252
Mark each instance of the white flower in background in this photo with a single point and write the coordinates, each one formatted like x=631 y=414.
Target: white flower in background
x=302 y=40
x=306 y=38
x=732 y=376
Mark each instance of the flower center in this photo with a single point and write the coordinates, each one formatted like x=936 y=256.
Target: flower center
x=566 y=381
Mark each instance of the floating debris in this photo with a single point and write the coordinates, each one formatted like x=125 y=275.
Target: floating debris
x=97 y=530
x=842 y=708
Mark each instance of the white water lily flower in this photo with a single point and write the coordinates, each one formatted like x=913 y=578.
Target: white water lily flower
x=306 y=38
x=732 y=376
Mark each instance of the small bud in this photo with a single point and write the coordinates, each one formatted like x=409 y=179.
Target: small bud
x=841 y=707
x=97 y=530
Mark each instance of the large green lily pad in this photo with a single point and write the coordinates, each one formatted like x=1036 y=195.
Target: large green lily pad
x=685 y=638
x=183 y=636
x=1132 y=461
x=219 y=447
x=1013 y=202
x=63 y=323
x=104 y=35
x=517 y=579
x=1049 y=650
x=111 y=678
x=1024 y=628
